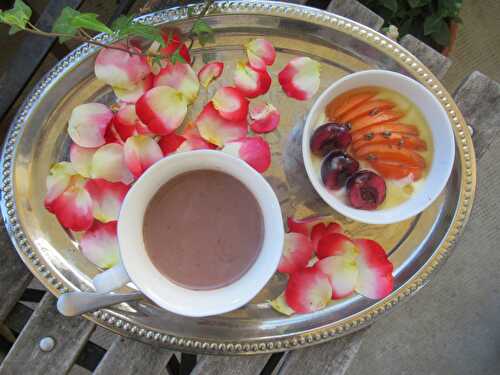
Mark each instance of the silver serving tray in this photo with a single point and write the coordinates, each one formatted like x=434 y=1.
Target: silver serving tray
x=417 y=247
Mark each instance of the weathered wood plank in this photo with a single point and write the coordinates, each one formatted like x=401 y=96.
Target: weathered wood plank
x=29 y=54
x=129 y=357
x=356 y=11
x=14 y=276
x=432 y=59
x=478 y=98
x=69 y=334
x=332 y=358
x=225 y=365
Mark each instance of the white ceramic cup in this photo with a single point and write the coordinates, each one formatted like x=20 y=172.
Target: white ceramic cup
x=442 y=137
x=136 y=266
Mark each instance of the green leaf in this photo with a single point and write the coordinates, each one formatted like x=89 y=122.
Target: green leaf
x=418 y=3
x=147 y=32
x=89 y=21
x=176 y=57
x=392 y=5
x=203 y=32
x=442 y=35
x=17 y=17
x=191 y=11
x=156 y=60
x=449 y=8
x=121 y=23
x=62 y=24
x=433 y=23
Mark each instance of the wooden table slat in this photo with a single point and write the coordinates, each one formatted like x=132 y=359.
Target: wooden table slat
x=356 y=11
x=70 y=335
x=229 y=365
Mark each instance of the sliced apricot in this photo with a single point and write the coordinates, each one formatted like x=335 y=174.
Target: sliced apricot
x=371 y=107
x=390 y=153
x=347 y=101
x=369 y=131
x=377 y=118
x=399 y=140
x=396 y=171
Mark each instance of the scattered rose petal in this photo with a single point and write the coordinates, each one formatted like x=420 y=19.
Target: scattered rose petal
x=265 y=118
x=127 y=123
x=375 y=278
x=180 y=77
x=300 y=78
x=297 y=251
x=108 y=163
x=305 y=226
x=308 y=290
x=342 y=271
x=254 y=150
x=280 y=305
x=121 y=69
x=255 y=61
x=88 y=123
x=100 y=244
x=141 y=151
x=170 y=143
x=81 y=159
x=107 y=198
x=335 y=244
x=251 y=82
x=174 y=45
x=58 y=180
x=162 y=109
x=262 y=49
x=217 y=130
x=111 y=135
x=133 y=93
x=210 y=72
x=321 y=229
x=230 y=104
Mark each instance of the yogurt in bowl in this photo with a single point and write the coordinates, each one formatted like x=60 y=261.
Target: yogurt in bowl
x=399 y=136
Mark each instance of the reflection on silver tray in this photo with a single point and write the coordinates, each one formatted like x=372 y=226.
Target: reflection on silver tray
x=417 y=247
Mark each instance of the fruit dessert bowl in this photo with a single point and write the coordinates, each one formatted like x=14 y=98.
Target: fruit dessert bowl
x=355 y=189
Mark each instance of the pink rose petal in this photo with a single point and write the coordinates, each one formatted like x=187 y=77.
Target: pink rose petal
x=279 y=304
x=81 y=159
x=254 y=150
x=300 y=78
x=255 y=61
x=308 y=290
x=107 y=198
x=305 y=226
x=170 y=143
x=180 y=77
x=108 y=163
x=296 y=253
x=58 y=180
x=375 y=278
x=342 y=272
x=262 y=49
x=127 y=123
x=100 y=245
x=210 y=72
x=119 y=68
x=322 y=229
x=335 y=244
x=132 y=94
x=111 y=135
x=230 y=104
x=217 y=130
x=264 y=118
x=141 y=151
x=88 y=123
x=251 y=82
x=162 y=109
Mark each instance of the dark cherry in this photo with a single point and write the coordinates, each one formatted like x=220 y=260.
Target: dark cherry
x=366 y=190
x=329 y=137
x=336 y=168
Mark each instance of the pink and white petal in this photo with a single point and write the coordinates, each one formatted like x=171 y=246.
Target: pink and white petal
x=342 y=272
x=375 y=278
x=279 y=304
x=155 y=65
x=230 y=103
x=264 y=118
x=297 y=251
x=132 y=94
x=170 y=143
x=107 y=198
x=125 y=121
x=305 y=226
x=299 y=79
x=100 y=244
x=141 y=151
x=81 y=159
x=120 y=69
x=308 y=290
x=73 y=207
x=263 y=49
x=195 y=143
x=322 y=229
x=251 y=82
x=254 y=150
x=336 y=244
x=217 y=130
x=111 y=135
x=58 y=180
x=180 y=77
x=108 y=163
x=88 y=123
x=162 y=109
x=255 y=61
x=210 y=72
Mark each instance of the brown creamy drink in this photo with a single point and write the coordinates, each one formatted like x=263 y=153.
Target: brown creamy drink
x=203 y=229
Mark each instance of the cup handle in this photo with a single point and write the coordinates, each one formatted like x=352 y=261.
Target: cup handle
x=111 y=279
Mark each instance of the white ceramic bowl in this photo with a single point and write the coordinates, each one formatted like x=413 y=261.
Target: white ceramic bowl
x=442 y=136
x=137 y=267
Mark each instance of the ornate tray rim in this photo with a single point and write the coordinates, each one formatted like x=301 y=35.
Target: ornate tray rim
x=121 y=324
